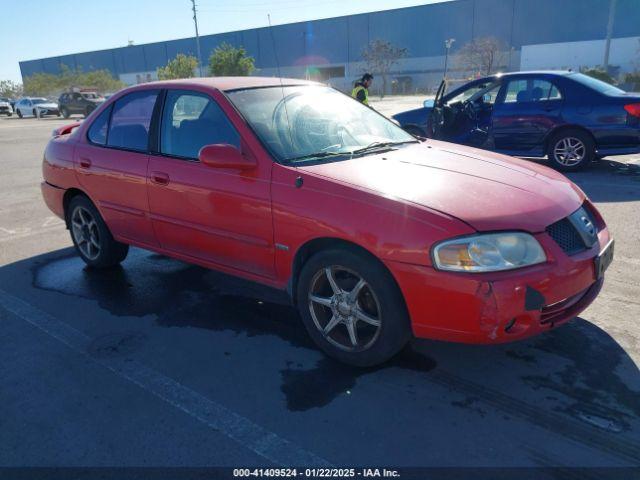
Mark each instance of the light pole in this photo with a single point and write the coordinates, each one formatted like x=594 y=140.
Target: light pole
x=195 y=21
x=447 y=46
x=607 y=45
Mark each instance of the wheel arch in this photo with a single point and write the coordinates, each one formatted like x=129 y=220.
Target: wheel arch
x=316 y=245
x=562 y=128
x=69 y=195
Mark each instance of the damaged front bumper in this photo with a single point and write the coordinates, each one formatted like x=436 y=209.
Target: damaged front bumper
x=502 y=306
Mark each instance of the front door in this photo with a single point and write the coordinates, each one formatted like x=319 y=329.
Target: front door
x=221 y=216
x=112 y=165
x=527 y=110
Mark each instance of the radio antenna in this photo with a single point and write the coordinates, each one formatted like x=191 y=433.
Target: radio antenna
x=284 y=103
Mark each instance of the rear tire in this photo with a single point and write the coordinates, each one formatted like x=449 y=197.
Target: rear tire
x=362 y=326
x=571 y=150
x=91 y=237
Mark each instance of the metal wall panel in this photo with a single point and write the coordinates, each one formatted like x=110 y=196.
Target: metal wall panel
x=552 y=21
x=422 y=30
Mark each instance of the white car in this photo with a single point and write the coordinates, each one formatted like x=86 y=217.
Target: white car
x=36 y=106
x=5 y=107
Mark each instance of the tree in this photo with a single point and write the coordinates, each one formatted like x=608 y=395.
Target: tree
x=598 y=73
x=227 y=60
x=11 y=89
x=380 y=56
x=183 y=66
x=48 y=84
x=482 y=56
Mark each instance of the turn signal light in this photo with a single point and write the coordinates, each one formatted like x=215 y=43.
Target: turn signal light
x=633 y=109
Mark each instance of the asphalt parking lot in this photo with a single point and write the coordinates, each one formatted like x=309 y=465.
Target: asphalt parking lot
x=160 y=363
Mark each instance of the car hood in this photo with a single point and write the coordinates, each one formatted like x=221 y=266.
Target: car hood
x=47 y=105
x=486 y=190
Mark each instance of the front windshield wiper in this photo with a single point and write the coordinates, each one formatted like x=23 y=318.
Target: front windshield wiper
x=371 y=147
x=380 y=145
x=313 y=156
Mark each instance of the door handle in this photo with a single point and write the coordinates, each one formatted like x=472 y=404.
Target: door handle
x=160 y=178
x=85 y=162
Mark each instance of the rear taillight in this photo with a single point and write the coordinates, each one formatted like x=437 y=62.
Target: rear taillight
x=633 y=109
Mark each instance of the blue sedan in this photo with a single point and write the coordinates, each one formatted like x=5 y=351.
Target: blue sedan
x=570 y=117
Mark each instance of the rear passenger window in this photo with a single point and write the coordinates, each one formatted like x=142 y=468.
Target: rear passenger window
x=130 y=120
x=191 y=120
x=531 y=90
x=98 y=130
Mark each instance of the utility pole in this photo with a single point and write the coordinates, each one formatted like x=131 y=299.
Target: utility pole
x=607 y=45
x=195 y=21
x=447 y=46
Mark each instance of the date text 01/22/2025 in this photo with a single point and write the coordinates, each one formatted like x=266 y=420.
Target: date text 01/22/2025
x=315 y=472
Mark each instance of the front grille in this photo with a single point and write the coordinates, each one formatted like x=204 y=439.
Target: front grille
x=565 y=235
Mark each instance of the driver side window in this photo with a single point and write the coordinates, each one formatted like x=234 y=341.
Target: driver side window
x=191 y=120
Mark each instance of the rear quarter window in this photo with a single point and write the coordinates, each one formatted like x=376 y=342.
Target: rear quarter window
x=97 y=133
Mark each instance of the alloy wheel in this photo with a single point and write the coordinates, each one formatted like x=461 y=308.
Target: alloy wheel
x=569 y=151
x=85 y=232
x=344 y=308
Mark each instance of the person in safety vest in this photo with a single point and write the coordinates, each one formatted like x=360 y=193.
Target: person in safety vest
x=361 y=89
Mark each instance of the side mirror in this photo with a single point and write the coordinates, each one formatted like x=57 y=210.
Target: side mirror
x=225 y=156
x=486 y=98
x=429 y=103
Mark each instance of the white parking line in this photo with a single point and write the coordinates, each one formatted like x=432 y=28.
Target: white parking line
x=248 y=434
x=28 y=232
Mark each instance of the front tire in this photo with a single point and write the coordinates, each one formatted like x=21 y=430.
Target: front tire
x=64 y=112
x=571 y=150
x=352 y=307
x=19 y=113
x=91 y=237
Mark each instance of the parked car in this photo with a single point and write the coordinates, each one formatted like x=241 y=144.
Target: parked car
x=78 y=102
x=5 y=107
x=567 y=116
x=375 y=235
x=34 y=106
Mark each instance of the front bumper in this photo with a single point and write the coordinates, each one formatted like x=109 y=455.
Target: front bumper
x=48 y=111
x=502 y=306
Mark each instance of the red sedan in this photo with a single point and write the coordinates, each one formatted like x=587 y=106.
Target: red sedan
x=375 y=235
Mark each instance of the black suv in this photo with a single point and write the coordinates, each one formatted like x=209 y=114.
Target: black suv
x=78 y=102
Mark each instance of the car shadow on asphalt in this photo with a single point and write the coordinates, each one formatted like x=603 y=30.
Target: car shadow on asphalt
x=574 y=379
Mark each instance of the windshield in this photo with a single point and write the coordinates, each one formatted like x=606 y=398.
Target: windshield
x=467 y=94
x=303 y=122
x=595 y=84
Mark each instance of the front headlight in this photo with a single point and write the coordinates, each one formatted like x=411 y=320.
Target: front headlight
x=489 y=252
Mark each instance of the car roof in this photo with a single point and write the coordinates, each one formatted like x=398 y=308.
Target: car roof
x=232 y=83
x=528 y=73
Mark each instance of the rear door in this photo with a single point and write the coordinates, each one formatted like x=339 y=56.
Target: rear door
x=111 y=164
x=527 y=109
x=221 y=216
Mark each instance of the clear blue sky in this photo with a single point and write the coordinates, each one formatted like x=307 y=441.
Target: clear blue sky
x=44 y=28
